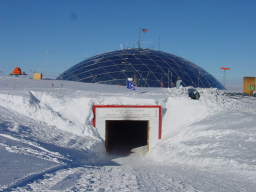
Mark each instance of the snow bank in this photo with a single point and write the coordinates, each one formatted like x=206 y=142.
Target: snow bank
x=215 y=132
x=67 y=106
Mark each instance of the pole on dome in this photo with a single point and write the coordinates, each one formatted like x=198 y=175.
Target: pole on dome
x=144 y=30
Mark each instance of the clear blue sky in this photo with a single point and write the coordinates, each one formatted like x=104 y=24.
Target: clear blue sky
x=52 y=35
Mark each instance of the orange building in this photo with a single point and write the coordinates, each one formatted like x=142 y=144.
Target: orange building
x=249 y=85
x=17 y=71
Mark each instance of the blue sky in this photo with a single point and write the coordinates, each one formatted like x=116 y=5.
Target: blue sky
x=52 y=35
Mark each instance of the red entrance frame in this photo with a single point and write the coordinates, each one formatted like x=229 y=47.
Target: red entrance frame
x=131 y=106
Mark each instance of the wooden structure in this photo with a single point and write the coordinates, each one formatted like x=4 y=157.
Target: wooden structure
x=249 y=85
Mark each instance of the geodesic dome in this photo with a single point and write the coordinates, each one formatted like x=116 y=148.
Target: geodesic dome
x=148 y=68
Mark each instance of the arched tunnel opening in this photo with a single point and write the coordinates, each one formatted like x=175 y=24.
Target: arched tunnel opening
x=124 y=135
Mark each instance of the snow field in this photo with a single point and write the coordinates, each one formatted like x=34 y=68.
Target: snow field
x=208 y=144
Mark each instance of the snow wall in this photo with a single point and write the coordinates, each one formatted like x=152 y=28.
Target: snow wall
x=68 y=106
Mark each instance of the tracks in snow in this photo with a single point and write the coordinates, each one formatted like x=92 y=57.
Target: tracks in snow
x=111 y=178
x=108 y=178
x=140 y=177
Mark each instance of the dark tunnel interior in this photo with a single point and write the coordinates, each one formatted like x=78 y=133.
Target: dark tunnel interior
x=124 y=135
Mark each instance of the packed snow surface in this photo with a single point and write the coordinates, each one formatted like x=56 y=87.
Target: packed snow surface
x=48 y=143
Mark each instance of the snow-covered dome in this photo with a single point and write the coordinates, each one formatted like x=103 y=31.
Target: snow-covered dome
x=148 y=68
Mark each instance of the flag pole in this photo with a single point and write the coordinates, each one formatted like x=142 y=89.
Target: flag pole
x=224 y=74
x=139 y=44
x=141 y=31
x=158 y=42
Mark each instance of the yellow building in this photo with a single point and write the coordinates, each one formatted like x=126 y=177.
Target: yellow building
x=249 y=85
x=38 y=76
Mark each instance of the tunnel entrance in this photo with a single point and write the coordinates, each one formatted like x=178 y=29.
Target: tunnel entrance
x=121 y=136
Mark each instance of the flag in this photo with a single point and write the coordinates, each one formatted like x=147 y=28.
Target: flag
x=145 y=30
x=225 y=68
x=130 y=84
